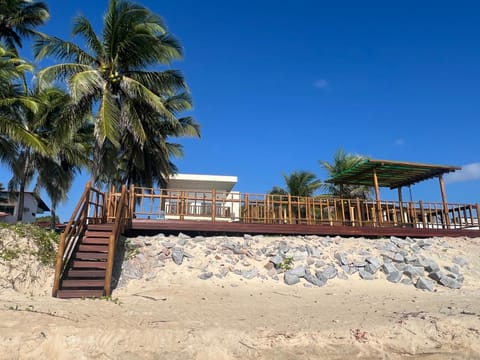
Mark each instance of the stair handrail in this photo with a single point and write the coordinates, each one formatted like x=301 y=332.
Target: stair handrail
x=70 y=236
x=118 y=227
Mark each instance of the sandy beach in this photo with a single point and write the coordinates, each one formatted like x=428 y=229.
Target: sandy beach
x=174 y=314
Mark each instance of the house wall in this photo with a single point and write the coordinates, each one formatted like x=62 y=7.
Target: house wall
x=29 y=211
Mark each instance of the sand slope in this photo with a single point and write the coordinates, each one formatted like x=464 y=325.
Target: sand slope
x=176 y=315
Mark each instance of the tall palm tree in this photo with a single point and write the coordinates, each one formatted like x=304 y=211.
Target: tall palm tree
x=68 y=149
x=117 y=73
x=343 y=161
x=18 y=19
x=298 y=183
x=12 y=101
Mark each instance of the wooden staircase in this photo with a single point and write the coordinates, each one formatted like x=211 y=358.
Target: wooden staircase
x=85 y=274
x=86 y=251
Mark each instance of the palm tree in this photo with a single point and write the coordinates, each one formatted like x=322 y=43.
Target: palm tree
x=12 y=101
x=18 y=19
x=343 y=161
x=298 y=183
x=69 y=149
x=118 y=74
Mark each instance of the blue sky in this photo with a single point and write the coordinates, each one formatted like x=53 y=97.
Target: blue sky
x=279 y=85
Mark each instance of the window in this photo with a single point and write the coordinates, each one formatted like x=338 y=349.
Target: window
x=9 y=209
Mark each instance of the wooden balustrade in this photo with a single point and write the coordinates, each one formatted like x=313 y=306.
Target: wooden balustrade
x=150 y=203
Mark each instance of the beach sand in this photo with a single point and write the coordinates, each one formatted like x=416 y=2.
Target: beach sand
x=176 y=315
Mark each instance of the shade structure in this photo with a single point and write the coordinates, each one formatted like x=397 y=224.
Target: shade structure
x=392 y=174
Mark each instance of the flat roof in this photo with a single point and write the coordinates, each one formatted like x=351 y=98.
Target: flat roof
x=201 y=182
x=392 y=174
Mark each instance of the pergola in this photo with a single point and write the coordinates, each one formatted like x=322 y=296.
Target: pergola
x=394 y=175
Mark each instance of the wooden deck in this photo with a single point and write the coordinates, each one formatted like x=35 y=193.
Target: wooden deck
x=150 y=227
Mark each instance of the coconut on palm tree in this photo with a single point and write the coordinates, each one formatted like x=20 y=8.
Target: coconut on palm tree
x=343 y=161
x=118 y=72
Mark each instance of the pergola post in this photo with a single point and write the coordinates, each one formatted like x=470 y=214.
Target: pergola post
x=377 y=195
x=400 y=204
x=444 y=201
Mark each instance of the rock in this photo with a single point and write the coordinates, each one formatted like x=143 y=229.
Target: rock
x=290 y=279
x=460 y=261
x=198 y=239
x=394 y=276
x=398 y=258
x=372 y=269
x=424 y=284
x=410 y=259
x=313 y=252
x=182 y=242
x=276 y=260
x=413 y=271
x=449 y=282
x=373 y=261
x=406 y=281
x=431 y=266
x=457 y=277
x=319 y=264
x=205 y=275
x=249 y=274
x=314 y=280
x=389 y=268
x=272 y=273
x=329 y=272
x=298 y=271
x=341 y=258
x=365 y=275
x=453 y=269
x=436 y=275
x=168 y=244
x=400 y=266
x=177 y=255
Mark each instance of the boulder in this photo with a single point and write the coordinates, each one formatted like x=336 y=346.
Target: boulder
x=424 y=284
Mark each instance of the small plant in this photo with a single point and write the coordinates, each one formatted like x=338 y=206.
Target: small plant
x=130 y=250
x=110 y=298
x=286 y=264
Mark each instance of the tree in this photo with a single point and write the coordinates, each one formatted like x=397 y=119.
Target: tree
x=118 y=74
x=342 y=162
x=69 y=148
x=12 y=103
x=18 y=19
x=298 y=183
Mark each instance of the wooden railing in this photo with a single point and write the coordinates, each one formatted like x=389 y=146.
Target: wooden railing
x=89 y=210
x=120 y=215
x=150 y=203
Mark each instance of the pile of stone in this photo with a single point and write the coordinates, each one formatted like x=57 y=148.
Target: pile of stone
x=313 y=260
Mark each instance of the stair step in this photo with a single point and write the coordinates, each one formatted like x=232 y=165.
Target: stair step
x=83 y=283
x=94 y=241
x=86 y=273
x=79 y=264
x=101 y=227
x=93 y=248
x=98 y=234
x=91 y=255
x=71 y=293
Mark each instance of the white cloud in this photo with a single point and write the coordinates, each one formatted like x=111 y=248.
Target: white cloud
x=321 y=84
x=399 y=141
x=468 y=172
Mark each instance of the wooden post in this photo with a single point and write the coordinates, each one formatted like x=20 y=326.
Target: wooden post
x=359 y=212
x=289 y=209
x=477 y=207
x=377 y=196
x=444 y=201
x=400 y=204
x=422 y=213
x=214 y=204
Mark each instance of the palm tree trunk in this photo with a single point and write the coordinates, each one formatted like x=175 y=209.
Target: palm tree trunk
x=21 y=192
x=53 y=219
